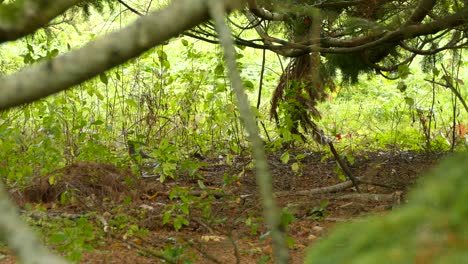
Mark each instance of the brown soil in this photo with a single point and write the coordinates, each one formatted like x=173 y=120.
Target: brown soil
x=235 y=224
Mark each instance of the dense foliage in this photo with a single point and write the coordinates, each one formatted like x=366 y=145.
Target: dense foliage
x=366 y=74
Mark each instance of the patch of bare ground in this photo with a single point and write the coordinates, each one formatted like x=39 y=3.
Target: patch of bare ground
x=233 y=231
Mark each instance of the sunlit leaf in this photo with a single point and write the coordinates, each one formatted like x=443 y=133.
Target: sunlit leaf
x=249 y=85
x=97 y=123
x=401 y=86
x=285 y=157
x=403 y=71
x=201 y=184
x=52 y=180
x=219 y=70
x=57 y=238
x=295 y=167
x=409 y=101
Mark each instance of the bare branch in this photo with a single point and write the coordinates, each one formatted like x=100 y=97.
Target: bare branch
x=421 y=11
x=58 y=74
x=133 y=10
x=263 y=13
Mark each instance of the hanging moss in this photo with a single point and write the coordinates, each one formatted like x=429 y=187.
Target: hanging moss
x=351 y=65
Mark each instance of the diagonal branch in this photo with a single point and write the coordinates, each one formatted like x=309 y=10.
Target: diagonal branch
x=62 y=72
x=133 y=10
x=263 y=13
x=421 y=11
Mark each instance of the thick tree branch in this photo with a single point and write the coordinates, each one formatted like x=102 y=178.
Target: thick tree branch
x=103 y=54
x=433 y=51
x=408 y=32
x=421 y=11
x=263 y=13
x=22 y=18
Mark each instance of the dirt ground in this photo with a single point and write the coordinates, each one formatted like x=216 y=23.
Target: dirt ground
x=233 y=232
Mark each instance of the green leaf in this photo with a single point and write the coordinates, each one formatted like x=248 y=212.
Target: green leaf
x=295 y=167
x=184 y=42
x=219 y=70
x=131 y=102
x=52 y=180
x=249 y=85
x=27 y=59
x=286 y=218
x=403 y=71
x=285 y=157
x=57 y=238
x=290 y=241
x=201 y=185
x=99 y=95
x=167 y=216
x=409 y=101
x=300 y=156
x=30 y=48
x=162 y=55
x=53 y=53
x=184 y=208
x=350 y=158
x=402 y=86
x=103 y=78
x=339 y=172
x=263 y=259
x=97 y=123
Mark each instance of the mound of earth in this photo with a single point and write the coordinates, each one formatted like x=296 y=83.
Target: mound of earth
x=83 y=184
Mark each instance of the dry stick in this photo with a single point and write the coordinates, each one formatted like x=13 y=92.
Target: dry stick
x=331 y=189
x=271 y=212
x=392 y=197
x=343 y=165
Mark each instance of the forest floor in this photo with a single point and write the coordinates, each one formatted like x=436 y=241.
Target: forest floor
x=233 y=230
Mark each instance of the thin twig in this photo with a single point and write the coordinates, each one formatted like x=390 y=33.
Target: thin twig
x=343 y=166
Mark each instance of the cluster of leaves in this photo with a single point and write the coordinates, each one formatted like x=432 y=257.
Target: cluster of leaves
x=178 y=214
